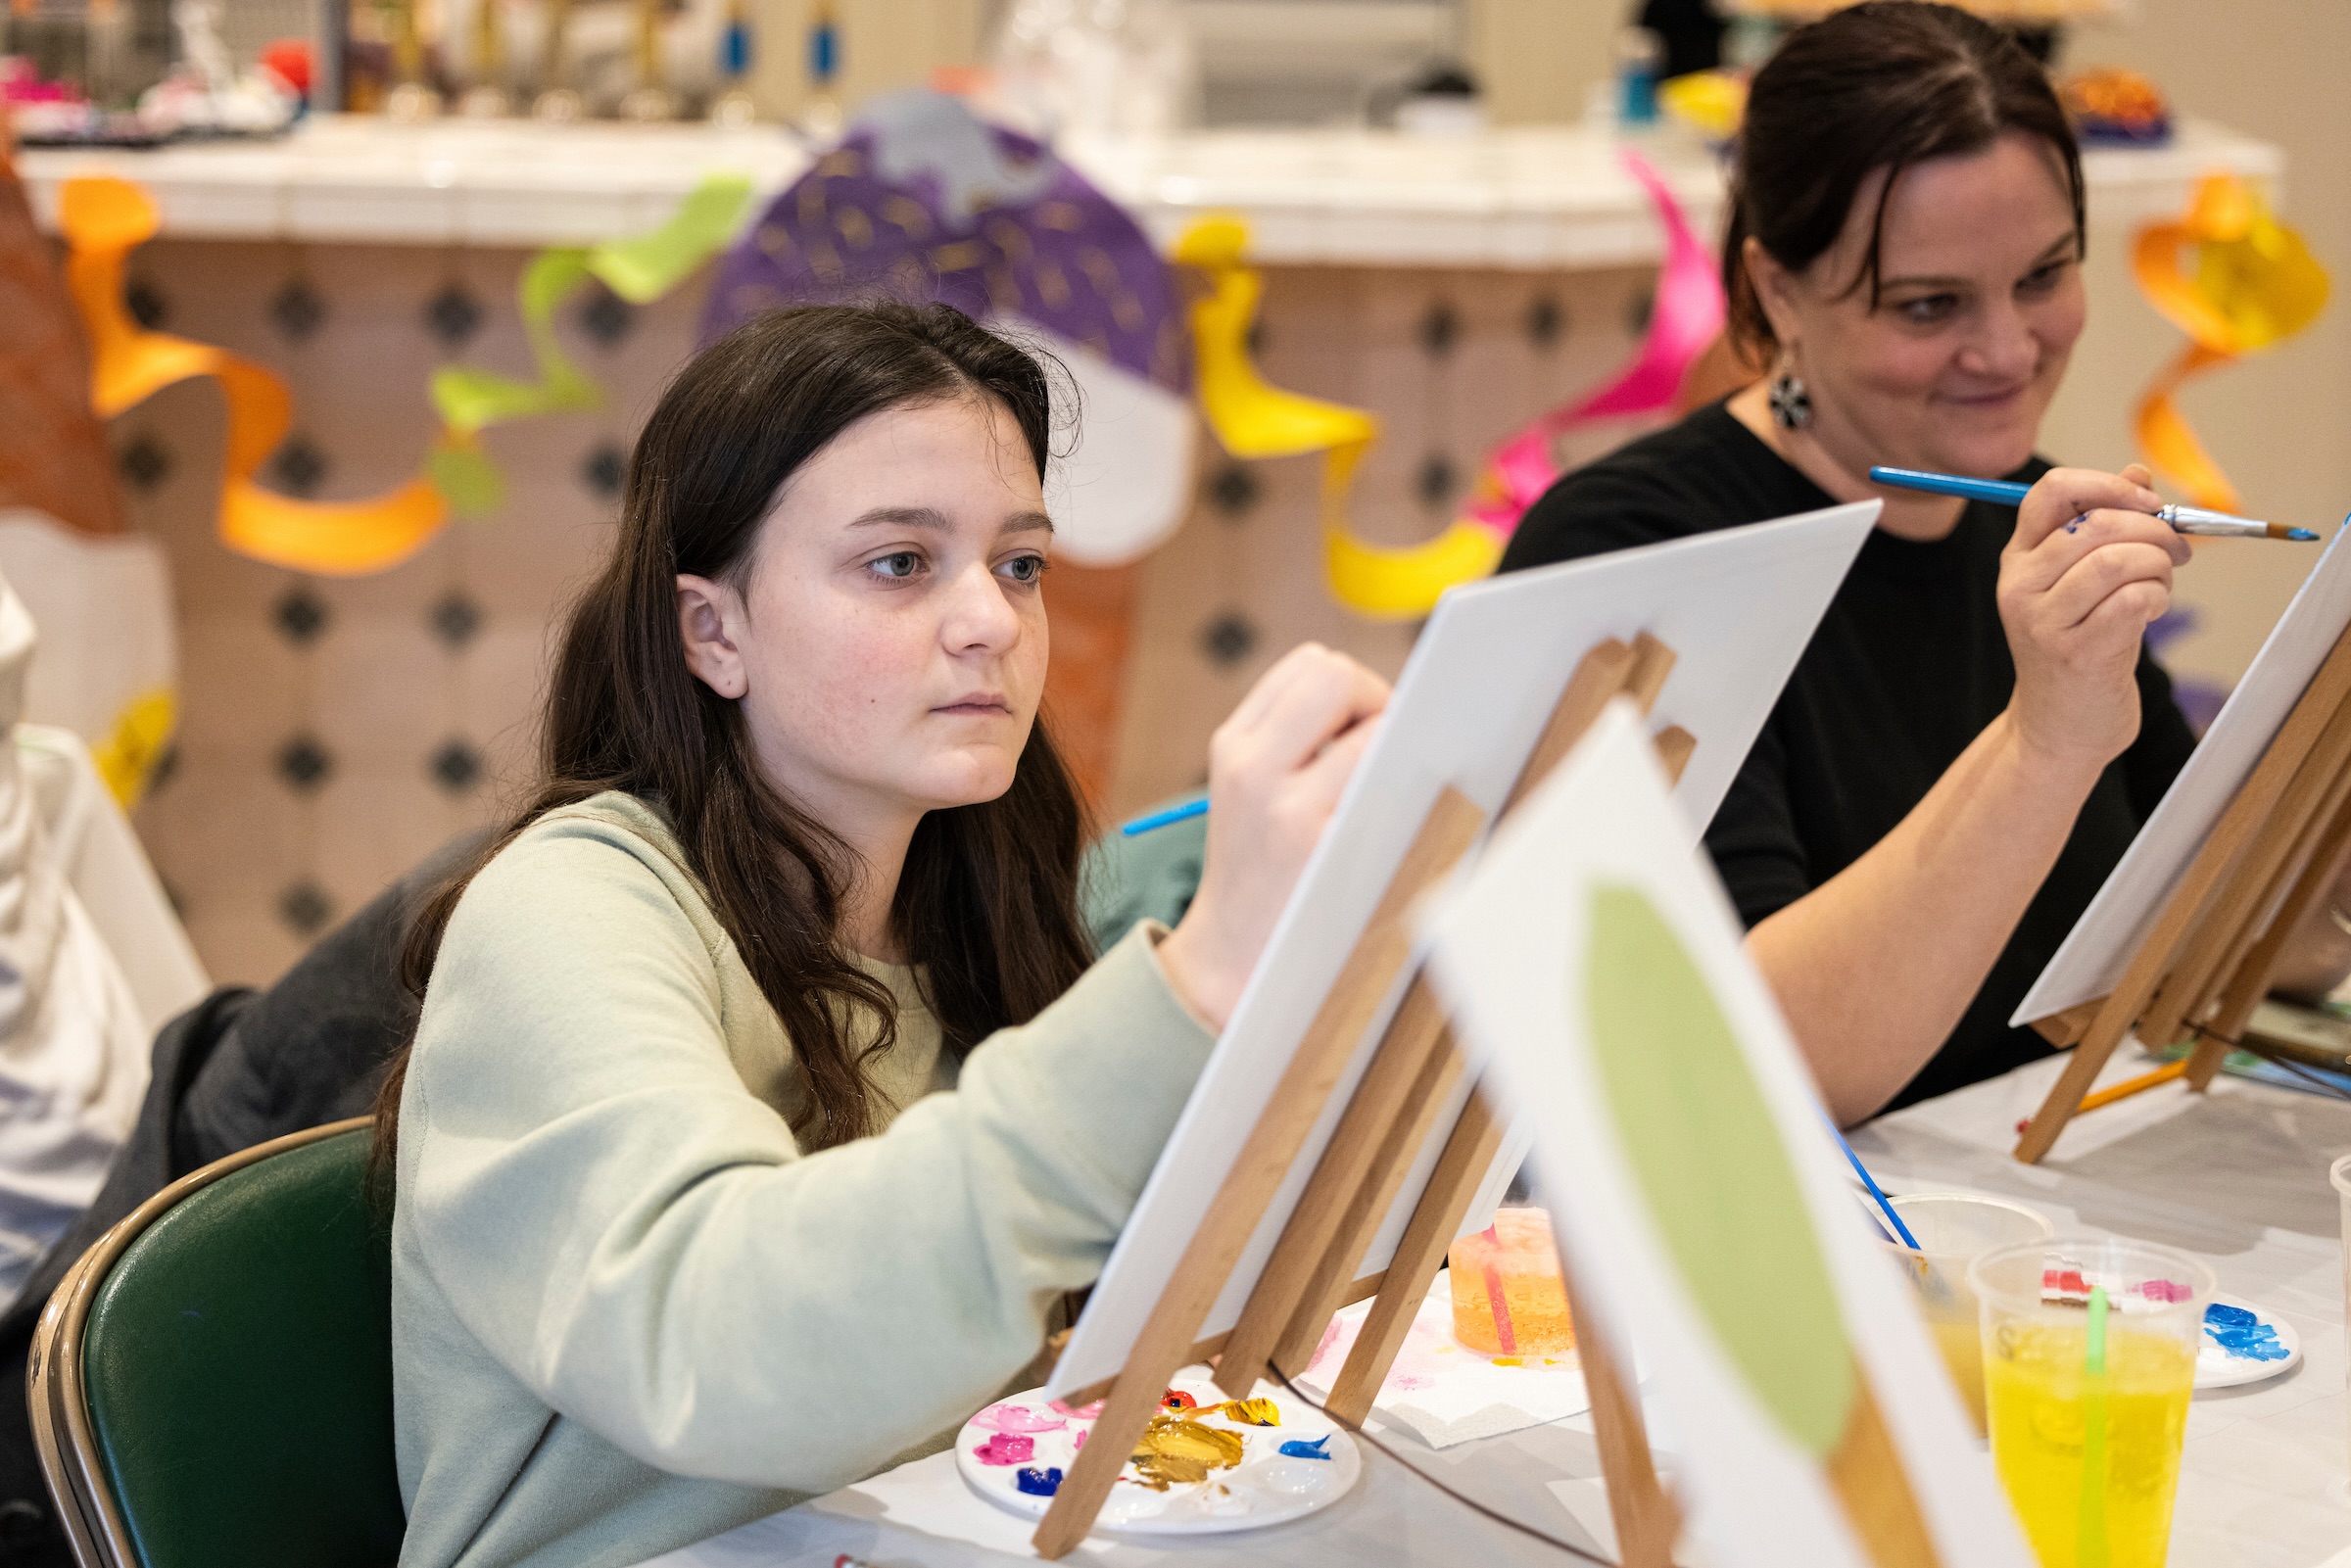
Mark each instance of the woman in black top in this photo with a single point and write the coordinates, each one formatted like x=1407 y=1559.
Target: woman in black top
x=1976 y=731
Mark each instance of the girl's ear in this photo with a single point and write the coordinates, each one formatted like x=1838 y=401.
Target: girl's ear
x=709 y=616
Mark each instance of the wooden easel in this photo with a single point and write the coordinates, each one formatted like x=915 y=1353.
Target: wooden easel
x=1309 y=1275
x=2209 y=956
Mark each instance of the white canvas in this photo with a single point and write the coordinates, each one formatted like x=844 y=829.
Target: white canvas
x=1525 y=950
x=1737 y=606
x=2090 y=963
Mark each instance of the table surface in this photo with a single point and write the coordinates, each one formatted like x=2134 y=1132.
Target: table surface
x=2238 y=1177
x=1532 y=197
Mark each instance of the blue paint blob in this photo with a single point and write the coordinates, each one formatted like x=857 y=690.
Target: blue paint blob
x=1300 y=1449
x=1039 y=1483
x=2242 y=1335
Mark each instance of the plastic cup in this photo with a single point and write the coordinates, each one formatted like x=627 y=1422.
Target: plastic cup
x=2340 y=1174
x=1954 y=1229
x=2089 y=1401
x=1508 y=1299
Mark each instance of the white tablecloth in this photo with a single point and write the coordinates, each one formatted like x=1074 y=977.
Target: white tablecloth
x=2238 y=1177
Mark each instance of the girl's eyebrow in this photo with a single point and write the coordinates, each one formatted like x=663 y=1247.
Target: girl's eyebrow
x=936 y=521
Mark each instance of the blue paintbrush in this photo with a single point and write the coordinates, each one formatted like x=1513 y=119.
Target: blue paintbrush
x=1161 y=819
x=2008 y=492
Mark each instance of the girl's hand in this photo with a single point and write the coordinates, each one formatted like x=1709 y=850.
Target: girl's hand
x=2087 y=569
x=1274 y=771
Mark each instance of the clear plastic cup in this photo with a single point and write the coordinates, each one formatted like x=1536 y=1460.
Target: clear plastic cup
x=2340 y=1174
x=2089 y=1401
x=1954 y=1229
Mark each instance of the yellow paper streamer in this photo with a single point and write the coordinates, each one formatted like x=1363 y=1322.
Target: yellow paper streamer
x=2255 y=283
x=104 y=219
x=125 y=759
x=1252 y=419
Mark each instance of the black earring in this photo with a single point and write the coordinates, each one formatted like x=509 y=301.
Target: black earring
x=1791 y=402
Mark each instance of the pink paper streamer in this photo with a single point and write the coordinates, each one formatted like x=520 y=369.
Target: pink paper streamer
x=1688 y=314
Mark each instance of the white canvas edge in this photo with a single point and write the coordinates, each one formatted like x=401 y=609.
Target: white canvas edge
x=2091 y=961
x=1778 y=576
x=1493 y=931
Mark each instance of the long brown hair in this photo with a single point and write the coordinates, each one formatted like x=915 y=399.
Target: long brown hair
x=1880 y=85
x=987 y=903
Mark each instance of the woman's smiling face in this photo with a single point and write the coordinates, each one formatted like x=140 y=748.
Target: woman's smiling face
x=1979 y=303
x=887 y=634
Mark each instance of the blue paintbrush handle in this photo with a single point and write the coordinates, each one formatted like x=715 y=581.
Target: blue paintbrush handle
x=2000 y=492
x=1161 y=819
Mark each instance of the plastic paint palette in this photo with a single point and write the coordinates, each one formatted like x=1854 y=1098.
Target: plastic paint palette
x=2245 y=1343
x=1010 y=1452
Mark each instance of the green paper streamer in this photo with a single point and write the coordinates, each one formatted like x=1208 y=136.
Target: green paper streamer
x=1708 y=1161
x=639 y=270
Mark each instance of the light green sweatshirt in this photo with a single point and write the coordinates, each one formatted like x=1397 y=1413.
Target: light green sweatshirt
x=627 y=1311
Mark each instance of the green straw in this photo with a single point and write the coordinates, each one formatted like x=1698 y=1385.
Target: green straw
x=2089 y=1548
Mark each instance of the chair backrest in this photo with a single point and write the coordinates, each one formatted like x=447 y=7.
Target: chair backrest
x=212 y=1386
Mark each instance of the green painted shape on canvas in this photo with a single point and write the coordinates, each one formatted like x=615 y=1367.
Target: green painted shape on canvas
x=1708 y=1159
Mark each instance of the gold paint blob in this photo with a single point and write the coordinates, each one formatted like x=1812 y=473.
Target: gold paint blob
x=1178 y=1450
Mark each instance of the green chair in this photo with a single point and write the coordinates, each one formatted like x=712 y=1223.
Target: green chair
x=212 y=1384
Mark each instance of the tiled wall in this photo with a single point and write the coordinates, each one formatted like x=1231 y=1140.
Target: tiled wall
x=335 y=730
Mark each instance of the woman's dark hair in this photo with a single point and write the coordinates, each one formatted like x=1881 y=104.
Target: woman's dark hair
x=987 y=903
x=1880 y=85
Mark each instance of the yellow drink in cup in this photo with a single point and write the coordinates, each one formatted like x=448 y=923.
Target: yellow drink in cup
x=1953 y=1230
x=2089 y=1397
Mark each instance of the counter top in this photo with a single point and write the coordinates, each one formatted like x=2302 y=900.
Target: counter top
x=1528 y=197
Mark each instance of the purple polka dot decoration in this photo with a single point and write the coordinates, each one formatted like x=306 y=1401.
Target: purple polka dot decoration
x=922 y=199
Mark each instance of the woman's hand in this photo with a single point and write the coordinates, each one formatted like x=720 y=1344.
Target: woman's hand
x=1274 y=771
x=2088 y=568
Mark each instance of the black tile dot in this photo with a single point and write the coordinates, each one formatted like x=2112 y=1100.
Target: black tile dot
x=299 y=467
x=1436 y=480
x=1636 y=313
x=145 y=463
x=604 y=468
x=1229 y=638
x=1255 y=337
x=456 y=766
x=297 y=310
x=1545 y=322
x=606 y=317
x=1235 y=490
x=452 y=315
x=303 y=764
x=165 y=768
x=454 y=619
x=304 y=908
x=1440 y=329
x=301 y=616
x=146 y=304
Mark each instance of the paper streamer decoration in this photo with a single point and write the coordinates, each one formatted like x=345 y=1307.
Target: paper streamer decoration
x=1254 y=420
x=921 y=200
x=2254 y=283
x=640 y=270
x=104 y=219
x=1687 y=315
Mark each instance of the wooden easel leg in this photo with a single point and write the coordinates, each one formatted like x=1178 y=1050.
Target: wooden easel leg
x=1647 y=1521
x=1468 y=1154
x=2090 y=1059
x=1334 y=1279
x=1300 y=1267
x=2251 y=980
x=1304 y=1089
x=2253 y=882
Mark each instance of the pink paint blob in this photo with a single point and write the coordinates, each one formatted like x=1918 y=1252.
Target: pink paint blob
x=1015 y=1418
x=1078 y=1439
x=1083 y=1412
x=1005 y=1449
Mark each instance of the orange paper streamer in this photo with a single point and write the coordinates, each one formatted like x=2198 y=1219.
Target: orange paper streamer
x=104 y=219
x=2254 y=283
